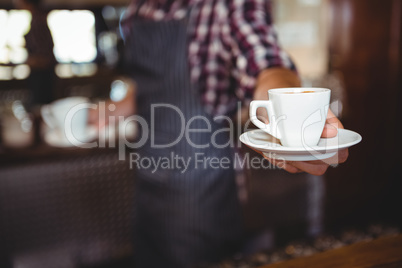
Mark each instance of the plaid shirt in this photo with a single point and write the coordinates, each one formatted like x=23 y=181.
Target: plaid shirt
x=230 y=43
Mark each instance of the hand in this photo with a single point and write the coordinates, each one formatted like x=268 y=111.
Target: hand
x=125 y=107
x=317 y=167
x=99 y=117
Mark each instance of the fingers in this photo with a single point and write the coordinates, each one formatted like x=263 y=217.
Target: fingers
x=329 y=131
x=331 y=126
x=285 y=165
x=338 y=158
x=317 y=167
x=333 y=120
x=342 y=156
x=255 y=150
x=311 y=168
x=279 y=163
x=262 y=115
x=301 y=166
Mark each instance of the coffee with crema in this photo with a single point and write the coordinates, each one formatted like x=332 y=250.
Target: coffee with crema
x=306 y=91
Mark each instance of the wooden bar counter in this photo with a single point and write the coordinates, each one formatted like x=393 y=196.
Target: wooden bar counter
x=380 y=253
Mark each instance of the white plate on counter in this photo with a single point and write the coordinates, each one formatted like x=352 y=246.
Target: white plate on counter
x=55 y=138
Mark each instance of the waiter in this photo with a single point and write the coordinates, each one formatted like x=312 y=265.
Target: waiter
x=192 y=61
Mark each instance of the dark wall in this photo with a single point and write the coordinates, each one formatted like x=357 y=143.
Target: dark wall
x=365 y=46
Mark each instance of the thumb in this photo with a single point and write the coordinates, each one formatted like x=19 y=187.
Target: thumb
x=329 y=131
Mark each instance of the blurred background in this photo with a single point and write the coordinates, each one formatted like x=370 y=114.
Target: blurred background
x=70 y=207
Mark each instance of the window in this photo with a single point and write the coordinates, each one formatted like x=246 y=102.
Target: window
x=14 y=24
x=74 y=38
x=73 y=35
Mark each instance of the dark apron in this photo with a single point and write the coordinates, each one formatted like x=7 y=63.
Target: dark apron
x=182 y=217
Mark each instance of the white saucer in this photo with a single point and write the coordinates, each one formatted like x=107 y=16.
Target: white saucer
x=326 y=148
x=56 y=138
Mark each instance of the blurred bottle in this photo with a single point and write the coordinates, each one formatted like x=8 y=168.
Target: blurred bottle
x=41 y=60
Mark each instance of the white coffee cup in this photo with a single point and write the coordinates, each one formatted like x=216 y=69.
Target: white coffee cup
x=68 y=117
x=296 y=115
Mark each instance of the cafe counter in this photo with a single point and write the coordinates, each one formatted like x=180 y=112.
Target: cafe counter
x=67 y=207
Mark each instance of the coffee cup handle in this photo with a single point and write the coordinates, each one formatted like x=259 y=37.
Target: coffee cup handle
x=271 y=126
x=47 y=116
